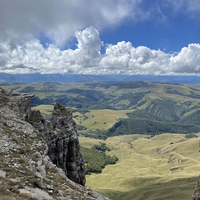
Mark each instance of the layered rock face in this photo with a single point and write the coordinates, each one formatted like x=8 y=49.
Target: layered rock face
x=63 y=144
x=60 y=134
x=26 y=170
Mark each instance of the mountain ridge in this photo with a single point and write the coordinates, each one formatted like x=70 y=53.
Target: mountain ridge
x=83 y=78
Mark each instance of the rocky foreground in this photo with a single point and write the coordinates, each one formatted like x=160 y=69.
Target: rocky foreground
x=39 y=159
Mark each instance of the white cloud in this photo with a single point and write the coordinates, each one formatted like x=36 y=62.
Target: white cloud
x=122 y=58
x=22 y=20
x=188 y=60
x=191 y=7
x=58 y=20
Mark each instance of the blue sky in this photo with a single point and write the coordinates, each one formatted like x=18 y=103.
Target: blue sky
x=169 y=37
x=100 y=37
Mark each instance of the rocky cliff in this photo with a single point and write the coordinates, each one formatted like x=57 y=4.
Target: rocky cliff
x=39 y=159
x=63 y=144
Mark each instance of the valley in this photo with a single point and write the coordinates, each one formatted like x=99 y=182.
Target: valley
x=152 y=128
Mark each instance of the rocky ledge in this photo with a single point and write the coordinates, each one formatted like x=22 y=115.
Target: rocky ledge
x=39 y=159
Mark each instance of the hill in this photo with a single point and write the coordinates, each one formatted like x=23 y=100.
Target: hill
x=173 y=102
x=165 y=166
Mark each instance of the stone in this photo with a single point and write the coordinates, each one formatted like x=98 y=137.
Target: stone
x=63 y=145
x=196 y=195
x=61 y=193
x=49 y=187
x=99 y=196
x=180 y=160
x=36 y=119
x=13 y=180
x=3 y=174
x=35 y=193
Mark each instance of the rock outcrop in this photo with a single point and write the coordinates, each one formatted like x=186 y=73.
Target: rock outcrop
x=34 y=166
x=63 y=144
x=196 y=195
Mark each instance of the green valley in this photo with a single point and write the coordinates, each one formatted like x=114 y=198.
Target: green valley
x=140 y=139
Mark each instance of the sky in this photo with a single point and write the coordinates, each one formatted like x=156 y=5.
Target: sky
x=158 y=37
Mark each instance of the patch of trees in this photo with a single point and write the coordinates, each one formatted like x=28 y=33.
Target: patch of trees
x=96 y=158
x=80 y=127
x=149 y=127
x=191 y=135
x=97 y=134
x=193 y=118
x=145 y=115
x=101 y=147
x=80 y=111
x=191 y=95
x=142 y=122
x=163 y=108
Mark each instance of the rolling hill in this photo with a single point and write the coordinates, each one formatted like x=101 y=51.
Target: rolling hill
x=174 y=102
x=165 y=166
x=101 y=110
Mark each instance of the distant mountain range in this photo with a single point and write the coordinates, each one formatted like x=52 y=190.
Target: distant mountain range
x=81 y=78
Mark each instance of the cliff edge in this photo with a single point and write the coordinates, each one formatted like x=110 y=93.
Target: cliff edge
x=39 y=159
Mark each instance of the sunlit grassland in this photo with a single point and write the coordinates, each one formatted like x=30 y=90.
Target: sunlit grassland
x=100 y=119
x=97 y=119
x=162 y=167
x=106 y=118
x=46 y=109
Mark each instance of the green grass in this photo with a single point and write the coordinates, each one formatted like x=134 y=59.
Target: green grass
x=104 y=119
x=170 y=101
x=46 y=109
x=143 y=169
x=97 y=119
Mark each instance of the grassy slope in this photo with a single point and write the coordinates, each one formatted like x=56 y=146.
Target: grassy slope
x=143 y=170
x=100 y=119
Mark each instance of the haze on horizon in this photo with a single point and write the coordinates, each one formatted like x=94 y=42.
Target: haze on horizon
x=100 y=37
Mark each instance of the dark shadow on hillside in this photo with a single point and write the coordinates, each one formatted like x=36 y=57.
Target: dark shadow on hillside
x=179 y=189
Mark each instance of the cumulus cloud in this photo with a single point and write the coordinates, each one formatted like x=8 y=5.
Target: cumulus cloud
x=125 y=56
x=52 y=60
x=188 y=60
x=122 y=58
